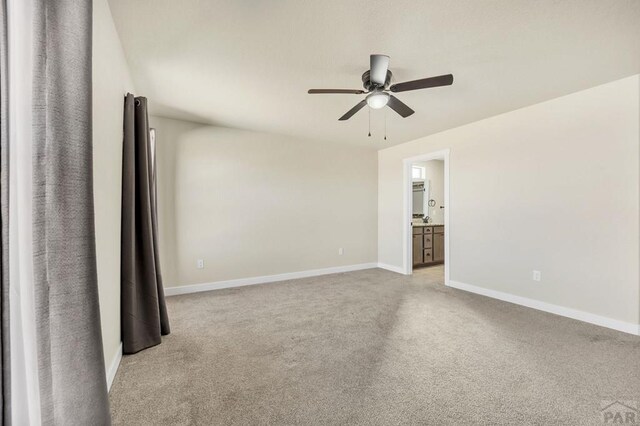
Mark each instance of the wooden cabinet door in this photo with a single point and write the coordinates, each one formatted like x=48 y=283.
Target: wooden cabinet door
x=417 y=250
x=438 y=247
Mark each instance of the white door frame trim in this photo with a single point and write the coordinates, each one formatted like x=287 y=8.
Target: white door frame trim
x=407 y=212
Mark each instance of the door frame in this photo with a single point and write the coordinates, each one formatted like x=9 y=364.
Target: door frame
x=407 y=211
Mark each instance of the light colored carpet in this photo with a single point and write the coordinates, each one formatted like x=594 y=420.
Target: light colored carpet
x=372 y=347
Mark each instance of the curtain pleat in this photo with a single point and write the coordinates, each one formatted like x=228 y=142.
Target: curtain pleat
x=144 y=313
x=5 y=364
x=70 y=356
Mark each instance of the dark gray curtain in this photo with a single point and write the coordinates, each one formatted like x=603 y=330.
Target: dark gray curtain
x=73 y=388
x=144 y=313
x=5 y=365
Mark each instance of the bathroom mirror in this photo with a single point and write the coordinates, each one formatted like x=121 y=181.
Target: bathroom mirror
x=421 y=198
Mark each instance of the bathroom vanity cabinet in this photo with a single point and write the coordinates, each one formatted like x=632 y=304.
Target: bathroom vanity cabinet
x=428 y=244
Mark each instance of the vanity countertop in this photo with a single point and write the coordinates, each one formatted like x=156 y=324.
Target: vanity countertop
x=426 y=224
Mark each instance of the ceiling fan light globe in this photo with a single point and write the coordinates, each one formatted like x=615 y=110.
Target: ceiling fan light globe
x=377 y=100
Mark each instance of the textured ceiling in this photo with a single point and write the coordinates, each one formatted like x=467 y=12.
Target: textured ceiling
x=248 y=64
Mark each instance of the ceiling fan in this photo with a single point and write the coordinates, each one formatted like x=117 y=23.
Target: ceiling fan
x=377 y=84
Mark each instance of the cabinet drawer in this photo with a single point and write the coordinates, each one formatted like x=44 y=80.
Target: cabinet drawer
x=428 y=256
x=438 y=229
x=428 y=241
x=417 y=230
x=428 y=229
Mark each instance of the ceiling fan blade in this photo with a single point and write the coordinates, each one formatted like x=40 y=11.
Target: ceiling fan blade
x=341 y=91
x=425 y=83
x=378 y=66
x=353 y=110
x=400 y=107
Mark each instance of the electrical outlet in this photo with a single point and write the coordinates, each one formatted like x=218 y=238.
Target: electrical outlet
x=536 y=276
x=200 y=264
x=340 y=251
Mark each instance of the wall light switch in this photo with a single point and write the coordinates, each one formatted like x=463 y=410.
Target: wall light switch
x=536 y=276
x=200 y=264
x=340 y=251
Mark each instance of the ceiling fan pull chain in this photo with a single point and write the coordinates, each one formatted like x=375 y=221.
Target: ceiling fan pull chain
x=369 y=122
x=385 y=124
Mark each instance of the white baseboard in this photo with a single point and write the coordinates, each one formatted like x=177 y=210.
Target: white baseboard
x=625 y=327
x=196 y=288
x=391 y=268
x=113 y=367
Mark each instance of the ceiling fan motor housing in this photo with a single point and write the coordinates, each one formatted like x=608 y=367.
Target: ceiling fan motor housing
x=369 y=86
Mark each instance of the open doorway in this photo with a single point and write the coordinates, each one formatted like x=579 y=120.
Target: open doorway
x=427 y=228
